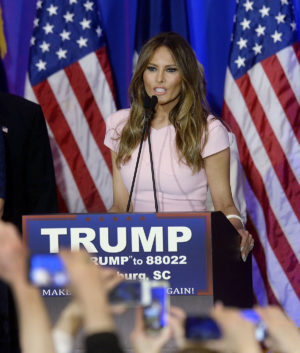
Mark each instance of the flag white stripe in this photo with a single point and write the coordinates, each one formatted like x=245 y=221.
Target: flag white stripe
x=282 y=288
x=277 y=199
x=291 y=67
x=64 y=178
x=72 y=111
x=281 y=125
x=97 y=80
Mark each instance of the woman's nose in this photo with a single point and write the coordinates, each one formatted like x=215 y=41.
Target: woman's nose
x=160 y=76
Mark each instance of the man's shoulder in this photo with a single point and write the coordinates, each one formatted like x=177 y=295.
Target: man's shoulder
x=14 y=102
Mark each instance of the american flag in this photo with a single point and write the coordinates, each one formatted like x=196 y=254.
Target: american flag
x=261 y=103
x=70 y=77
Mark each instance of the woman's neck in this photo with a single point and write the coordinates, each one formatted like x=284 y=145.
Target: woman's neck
x=161 y=117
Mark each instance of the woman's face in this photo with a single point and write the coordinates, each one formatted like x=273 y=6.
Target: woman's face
x=162 y=77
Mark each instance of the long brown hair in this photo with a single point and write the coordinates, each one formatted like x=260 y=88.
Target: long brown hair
x=189 y=116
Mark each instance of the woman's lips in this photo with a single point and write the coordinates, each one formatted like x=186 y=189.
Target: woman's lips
x=160 y=90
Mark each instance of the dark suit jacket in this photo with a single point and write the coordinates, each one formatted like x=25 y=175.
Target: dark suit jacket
x=30 y=185
x=30 y=180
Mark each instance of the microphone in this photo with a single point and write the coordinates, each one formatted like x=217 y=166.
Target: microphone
x=149 y=105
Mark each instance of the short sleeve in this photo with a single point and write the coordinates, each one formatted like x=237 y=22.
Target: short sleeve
x=114 y=127
x=217 y=139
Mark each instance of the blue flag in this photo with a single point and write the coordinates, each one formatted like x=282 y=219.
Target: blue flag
x=158 y=16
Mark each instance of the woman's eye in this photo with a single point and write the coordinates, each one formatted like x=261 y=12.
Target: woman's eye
x=151 y=68
x=171 y=69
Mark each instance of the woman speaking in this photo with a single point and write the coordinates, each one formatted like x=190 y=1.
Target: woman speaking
x=190 y=147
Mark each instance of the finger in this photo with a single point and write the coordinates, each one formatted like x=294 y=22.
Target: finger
x=139 y=319
x=177 y=312
x=112 y=282
x=118 y=309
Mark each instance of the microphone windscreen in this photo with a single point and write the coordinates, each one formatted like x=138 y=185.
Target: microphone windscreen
x=153 y=102
x=150 y=103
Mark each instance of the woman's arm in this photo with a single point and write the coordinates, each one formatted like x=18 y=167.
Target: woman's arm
x=120 y=193
x=217 y=168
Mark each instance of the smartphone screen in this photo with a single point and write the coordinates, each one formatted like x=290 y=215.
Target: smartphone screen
x=48 y=270
x=156 y=314
x=201 y=328
x=131 y=293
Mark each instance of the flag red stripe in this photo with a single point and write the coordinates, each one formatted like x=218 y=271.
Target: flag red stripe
x=283 y=170
x=61 y=202
x=276 y=236
x=284 y=92
x=105 y=65
x=296 y=47
x=86 y=99
x=259 y=254
x=67 y=143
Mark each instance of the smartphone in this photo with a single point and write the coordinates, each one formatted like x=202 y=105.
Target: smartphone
x=48 y=270
x=202 y=328
x=131 y=293
x=156 y=313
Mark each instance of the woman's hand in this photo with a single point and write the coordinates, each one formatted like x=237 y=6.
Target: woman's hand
x=247 y=243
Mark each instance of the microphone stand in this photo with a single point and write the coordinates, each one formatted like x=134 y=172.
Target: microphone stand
x=148 y=114
x=151 y=164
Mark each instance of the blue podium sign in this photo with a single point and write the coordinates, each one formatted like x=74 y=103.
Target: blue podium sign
x=175 y=247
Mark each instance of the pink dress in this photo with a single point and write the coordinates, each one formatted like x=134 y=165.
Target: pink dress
x=177 y=188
